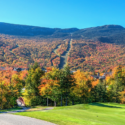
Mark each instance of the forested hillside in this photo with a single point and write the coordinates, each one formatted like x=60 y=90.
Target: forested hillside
x=89 y=55
x=97 y=48
x=30 y=31
x=106 y=34
x=20 y=52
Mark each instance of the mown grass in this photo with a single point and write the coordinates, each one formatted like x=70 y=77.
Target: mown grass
x=36 y=108
x=83 y=114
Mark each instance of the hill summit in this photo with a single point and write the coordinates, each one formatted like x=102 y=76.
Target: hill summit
x=106 y=33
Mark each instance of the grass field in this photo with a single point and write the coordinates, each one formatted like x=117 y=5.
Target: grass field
x=83 y=114
x=36 y=108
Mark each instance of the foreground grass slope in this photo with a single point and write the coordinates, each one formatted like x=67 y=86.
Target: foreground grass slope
x=83 y=114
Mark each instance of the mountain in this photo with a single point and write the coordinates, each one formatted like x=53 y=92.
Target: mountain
x=106 y=33
x=24 y=30
x=90 y=49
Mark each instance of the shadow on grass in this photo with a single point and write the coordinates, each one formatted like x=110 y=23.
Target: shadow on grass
x=103 y=105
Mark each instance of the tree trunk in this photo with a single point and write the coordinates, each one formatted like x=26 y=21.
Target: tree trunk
x=66 y=101
x=55 y=103
x=72 y=102
x=47 y=101
x=61 y=100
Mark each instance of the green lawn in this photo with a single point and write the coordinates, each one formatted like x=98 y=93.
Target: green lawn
x=36 y=108
x=83 y=114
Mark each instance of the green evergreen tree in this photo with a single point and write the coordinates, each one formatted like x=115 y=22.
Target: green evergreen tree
x=66 y=83
x=33 y=81
x=98 y=93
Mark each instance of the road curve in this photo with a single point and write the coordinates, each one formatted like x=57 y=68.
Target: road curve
x=10 y=119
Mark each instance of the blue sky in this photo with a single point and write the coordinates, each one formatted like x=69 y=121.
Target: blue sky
x=63 y=13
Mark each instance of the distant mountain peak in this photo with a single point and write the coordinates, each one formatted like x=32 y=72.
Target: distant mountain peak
x=105 y=33
x=112 y=26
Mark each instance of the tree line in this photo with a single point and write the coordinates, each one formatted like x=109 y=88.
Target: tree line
x=60 y=87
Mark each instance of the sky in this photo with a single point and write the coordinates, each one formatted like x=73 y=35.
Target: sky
x=63 y=13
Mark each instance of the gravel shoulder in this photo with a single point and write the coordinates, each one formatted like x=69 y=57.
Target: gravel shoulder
x=10 y=119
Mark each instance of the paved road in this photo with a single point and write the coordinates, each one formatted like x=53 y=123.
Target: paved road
x=16 y=111
x=24 y=110
x=10 y=119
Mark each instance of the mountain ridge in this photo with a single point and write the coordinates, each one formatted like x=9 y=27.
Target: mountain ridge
x=93 y=48
x=105 y=33
x=26 y=30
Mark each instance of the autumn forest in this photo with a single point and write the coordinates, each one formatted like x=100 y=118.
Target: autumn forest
x=85 y=55
x=62 y=65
